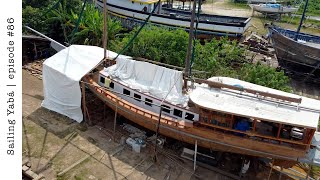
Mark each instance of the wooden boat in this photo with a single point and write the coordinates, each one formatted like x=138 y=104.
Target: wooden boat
x=261 y=1
x=273 y=8
x=213 y=112
x=297 y=53
x=257 y=1
x=132 y=13
x=301 y=57
x=220 y=113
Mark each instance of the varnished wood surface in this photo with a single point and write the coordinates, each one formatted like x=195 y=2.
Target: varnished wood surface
x=207 y=138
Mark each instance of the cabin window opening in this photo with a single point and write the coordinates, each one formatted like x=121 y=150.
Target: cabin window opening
x=189 y=116
x=148 y=102
x=102 y=80
x=166 y=108
x=137 y=97
x=177 y=112
x=111 y=85
x=126 y=92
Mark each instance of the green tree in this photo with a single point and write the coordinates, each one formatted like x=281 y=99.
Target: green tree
x=159 y=44
x=265 y=76
x=33 y=17
x=91 y=27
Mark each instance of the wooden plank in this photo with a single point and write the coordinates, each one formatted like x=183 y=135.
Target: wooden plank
x=73 y=165
x=255 y=92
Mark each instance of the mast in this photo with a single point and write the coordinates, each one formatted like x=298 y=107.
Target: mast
x=187 y=66
x=105 y=29
x=301 y=20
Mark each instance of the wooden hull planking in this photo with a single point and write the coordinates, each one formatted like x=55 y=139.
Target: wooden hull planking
x=299 y=58
x=205 y=138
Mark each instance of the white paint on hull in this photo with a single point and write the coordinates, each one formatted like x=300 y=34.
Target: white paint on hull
x=167 y=21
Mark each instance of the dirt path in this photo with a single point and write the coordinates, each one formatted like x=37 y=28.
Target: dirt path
x=223 y=7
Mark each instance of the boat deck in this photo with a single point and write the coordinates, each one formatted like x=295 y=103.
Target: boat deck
x=205 y=17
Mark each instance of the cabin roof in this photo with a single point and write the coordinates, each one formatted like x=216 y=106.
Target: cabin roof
x=146 y=1
x=248 y=105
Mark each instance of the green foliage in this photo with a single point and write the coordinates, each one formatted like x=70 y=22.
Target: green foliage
x=218 y=57
x=265 y=76
x=313 y=8
x=33 y=17
x=296 y=21
x=35 y=3
x=90 y=28
x=159 y=44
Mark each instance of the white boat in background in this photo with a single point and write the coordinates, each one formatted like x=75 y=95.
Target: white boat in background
x=260 y=1
x=133 y=13
x=273 y=8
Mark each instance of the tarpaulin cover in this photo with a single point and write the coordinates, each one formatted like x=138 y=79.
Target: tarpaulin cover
x=149 y=78
x=61 y=75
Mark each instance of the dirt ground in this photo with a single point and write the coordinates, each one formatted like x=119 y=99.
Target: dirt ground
x=60 y=148
x=222 y=7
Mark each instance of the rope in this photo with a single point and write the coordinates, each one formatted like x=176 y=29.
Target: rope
x=54 y=6
x=78 y=21
x=136 y=34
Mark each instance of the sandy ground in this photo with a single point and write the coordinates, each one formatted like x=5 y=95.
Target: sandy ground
x=220 y=7
x=53 y=143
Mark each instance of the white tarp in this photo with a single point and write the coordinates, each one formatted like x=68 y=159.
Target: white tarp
x=149 y=78
x=61 y=75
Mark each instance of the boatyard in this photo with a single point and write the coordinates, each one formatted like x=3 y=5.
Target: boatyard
x=151 y=89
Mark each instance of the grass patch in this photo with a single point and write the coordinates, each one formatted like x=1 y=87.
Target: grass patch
x=296 y=21
x=237 y=4
x=315 y=171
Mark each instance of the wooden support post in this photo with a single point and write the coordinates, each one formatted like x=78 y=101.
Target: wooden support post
x=115 y=121
x=254 y=125
x=280 y=176
x=279 y=130
x=195 y=155
x=157 y=132
x=232 y=121
x=309 y=168
x=84 y=107
x=311 y=136
x=271 y=169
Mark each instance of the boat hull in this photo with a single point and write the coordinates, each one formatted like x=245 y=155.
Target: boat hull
x=264 y=9
x=131 y=18
x=296 y=56
x=206 y=138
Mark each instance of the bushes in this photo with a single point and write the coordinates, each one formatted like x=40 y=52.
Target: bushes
x=158 y=44
x=217 y=57
x=265 y=76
